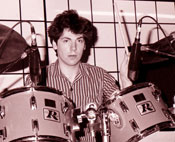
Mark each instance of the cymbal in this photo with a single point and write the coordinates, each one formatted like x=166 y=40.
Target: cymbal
x=159 y=52
x=21 y=64
x=152 y=58
x=13 y=47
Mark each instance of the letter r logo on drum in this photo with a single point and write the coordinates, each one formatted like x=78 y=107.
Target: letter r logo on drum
x=145 y=108
x=50 y=114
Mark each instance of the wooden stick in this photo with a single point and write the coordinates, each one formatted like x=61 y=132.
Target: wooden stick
x=120 y=27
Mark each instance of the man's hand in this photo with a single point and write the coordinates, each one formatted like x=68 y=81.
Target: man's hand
x=125 y=81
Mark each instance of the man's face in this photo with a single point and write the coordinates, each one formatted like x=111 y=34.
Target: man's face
x=70 y=48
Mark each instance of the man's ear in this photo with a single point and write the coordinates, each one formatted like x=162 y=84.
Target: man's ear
x=54 y=45
x=84 y=47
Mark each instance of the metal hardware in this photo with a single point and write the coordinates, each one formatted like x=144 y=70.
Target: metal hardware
x=3 y=133
x=134 y=125
x=124 y=106
x=35 y=128
x=2 y=112
x=33 y=103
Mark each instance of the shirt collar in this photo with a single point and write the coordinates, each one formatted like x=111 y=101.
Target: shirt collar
x=56 y=70
x=82 y=70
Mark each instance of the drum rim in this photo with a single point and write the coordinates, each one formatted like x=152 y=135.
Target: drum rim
x=135 y=87
x=23 y=89
x=152 y=129
x=40 y=138
x=127 y=90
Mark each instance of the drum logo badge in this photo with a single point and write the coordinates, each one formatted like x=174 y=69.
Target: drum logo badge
x=145 y=108
x=50 y=114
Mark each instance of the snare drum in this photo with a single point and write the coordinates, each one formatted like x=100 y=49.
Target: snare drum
x=34 y=114
x=137 y=112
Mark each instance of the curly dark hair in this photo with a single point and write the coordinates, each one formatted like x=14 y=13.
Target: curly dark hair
x=77 y=24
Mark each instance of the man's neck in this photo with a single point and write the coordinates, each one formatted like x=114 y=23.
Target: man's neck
x=69 y=71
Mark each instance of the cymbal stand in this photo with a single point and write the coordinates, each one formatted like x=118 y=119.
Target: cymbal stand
x=24 y=55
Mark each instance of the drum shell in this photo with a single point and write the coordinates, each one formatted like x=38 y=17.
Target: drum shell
x=20 y=114
x=145 y=121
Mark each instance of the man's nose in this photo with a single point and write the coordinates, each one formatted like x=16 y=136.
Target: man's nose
x=73 y=46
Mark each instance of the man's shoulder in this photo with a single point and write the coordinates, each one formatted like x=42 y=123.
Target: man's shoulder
x=92 y=67
x=52 y=69
x=51 y=66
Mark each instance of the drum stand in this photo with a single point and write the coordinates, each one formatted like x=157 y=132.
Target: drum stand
x=92 y=116
x=105 y=127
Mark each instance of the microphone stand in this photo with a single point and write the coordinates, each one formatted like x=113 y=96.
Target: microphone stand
x=34 y=60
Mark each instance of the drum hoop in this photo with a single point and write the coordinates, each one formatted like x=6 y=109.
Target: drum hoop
x=40 y=138
x=151 y=130
x=23 y=89
x=135 y=87
x=127 y=90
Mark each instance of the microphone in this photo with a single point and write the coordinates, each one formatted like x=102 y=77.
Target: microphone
x=135 y=58
x=91 y=110
x=34 y=59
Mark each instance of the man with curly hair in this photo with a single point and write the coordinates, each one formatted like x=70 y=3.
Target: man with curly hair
x=72 y=36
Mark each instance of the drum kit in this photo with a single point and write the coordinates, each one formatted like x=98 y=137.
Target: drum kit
x=38 y=113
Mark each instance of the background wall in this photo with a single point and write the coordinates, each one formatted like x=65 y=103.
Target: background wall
x=109 y=50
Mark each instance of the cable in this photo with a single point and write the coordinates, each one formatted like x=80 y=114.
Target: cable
x=140 y=22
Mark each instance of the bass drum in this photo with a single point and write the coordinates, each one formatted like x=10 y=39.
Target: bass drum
x=137 y=112
x=35 y=114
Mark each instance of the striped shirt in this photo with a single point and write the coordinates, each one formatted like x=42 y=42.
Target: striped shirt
x=91 y=85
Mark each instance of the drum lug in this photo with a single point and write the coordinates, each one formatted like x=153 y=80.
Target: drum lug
x=2 y=112
x=33 y=103
x=67 y=129
x=124 y=106
x=134 y=125
x=3 y=133
x=64 y=107
x=35 y=127
x=156 y=92
x=168 y=114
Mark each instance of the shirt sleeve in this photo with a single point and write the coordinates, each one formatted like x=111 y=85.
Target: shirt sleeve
x=110 y=86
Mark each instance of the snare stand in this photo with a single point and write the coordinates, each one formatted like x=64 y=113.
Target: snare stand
x=105 y=128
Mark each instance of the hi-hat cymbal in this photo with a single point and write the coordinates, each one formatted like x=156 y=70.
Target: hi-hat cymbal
x=152 y=58
x=159 y=51
x=14 y=46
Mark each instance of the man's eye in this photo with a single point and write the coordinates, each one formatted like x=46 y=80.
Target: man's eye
x=81 y=40
x=65 y=41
